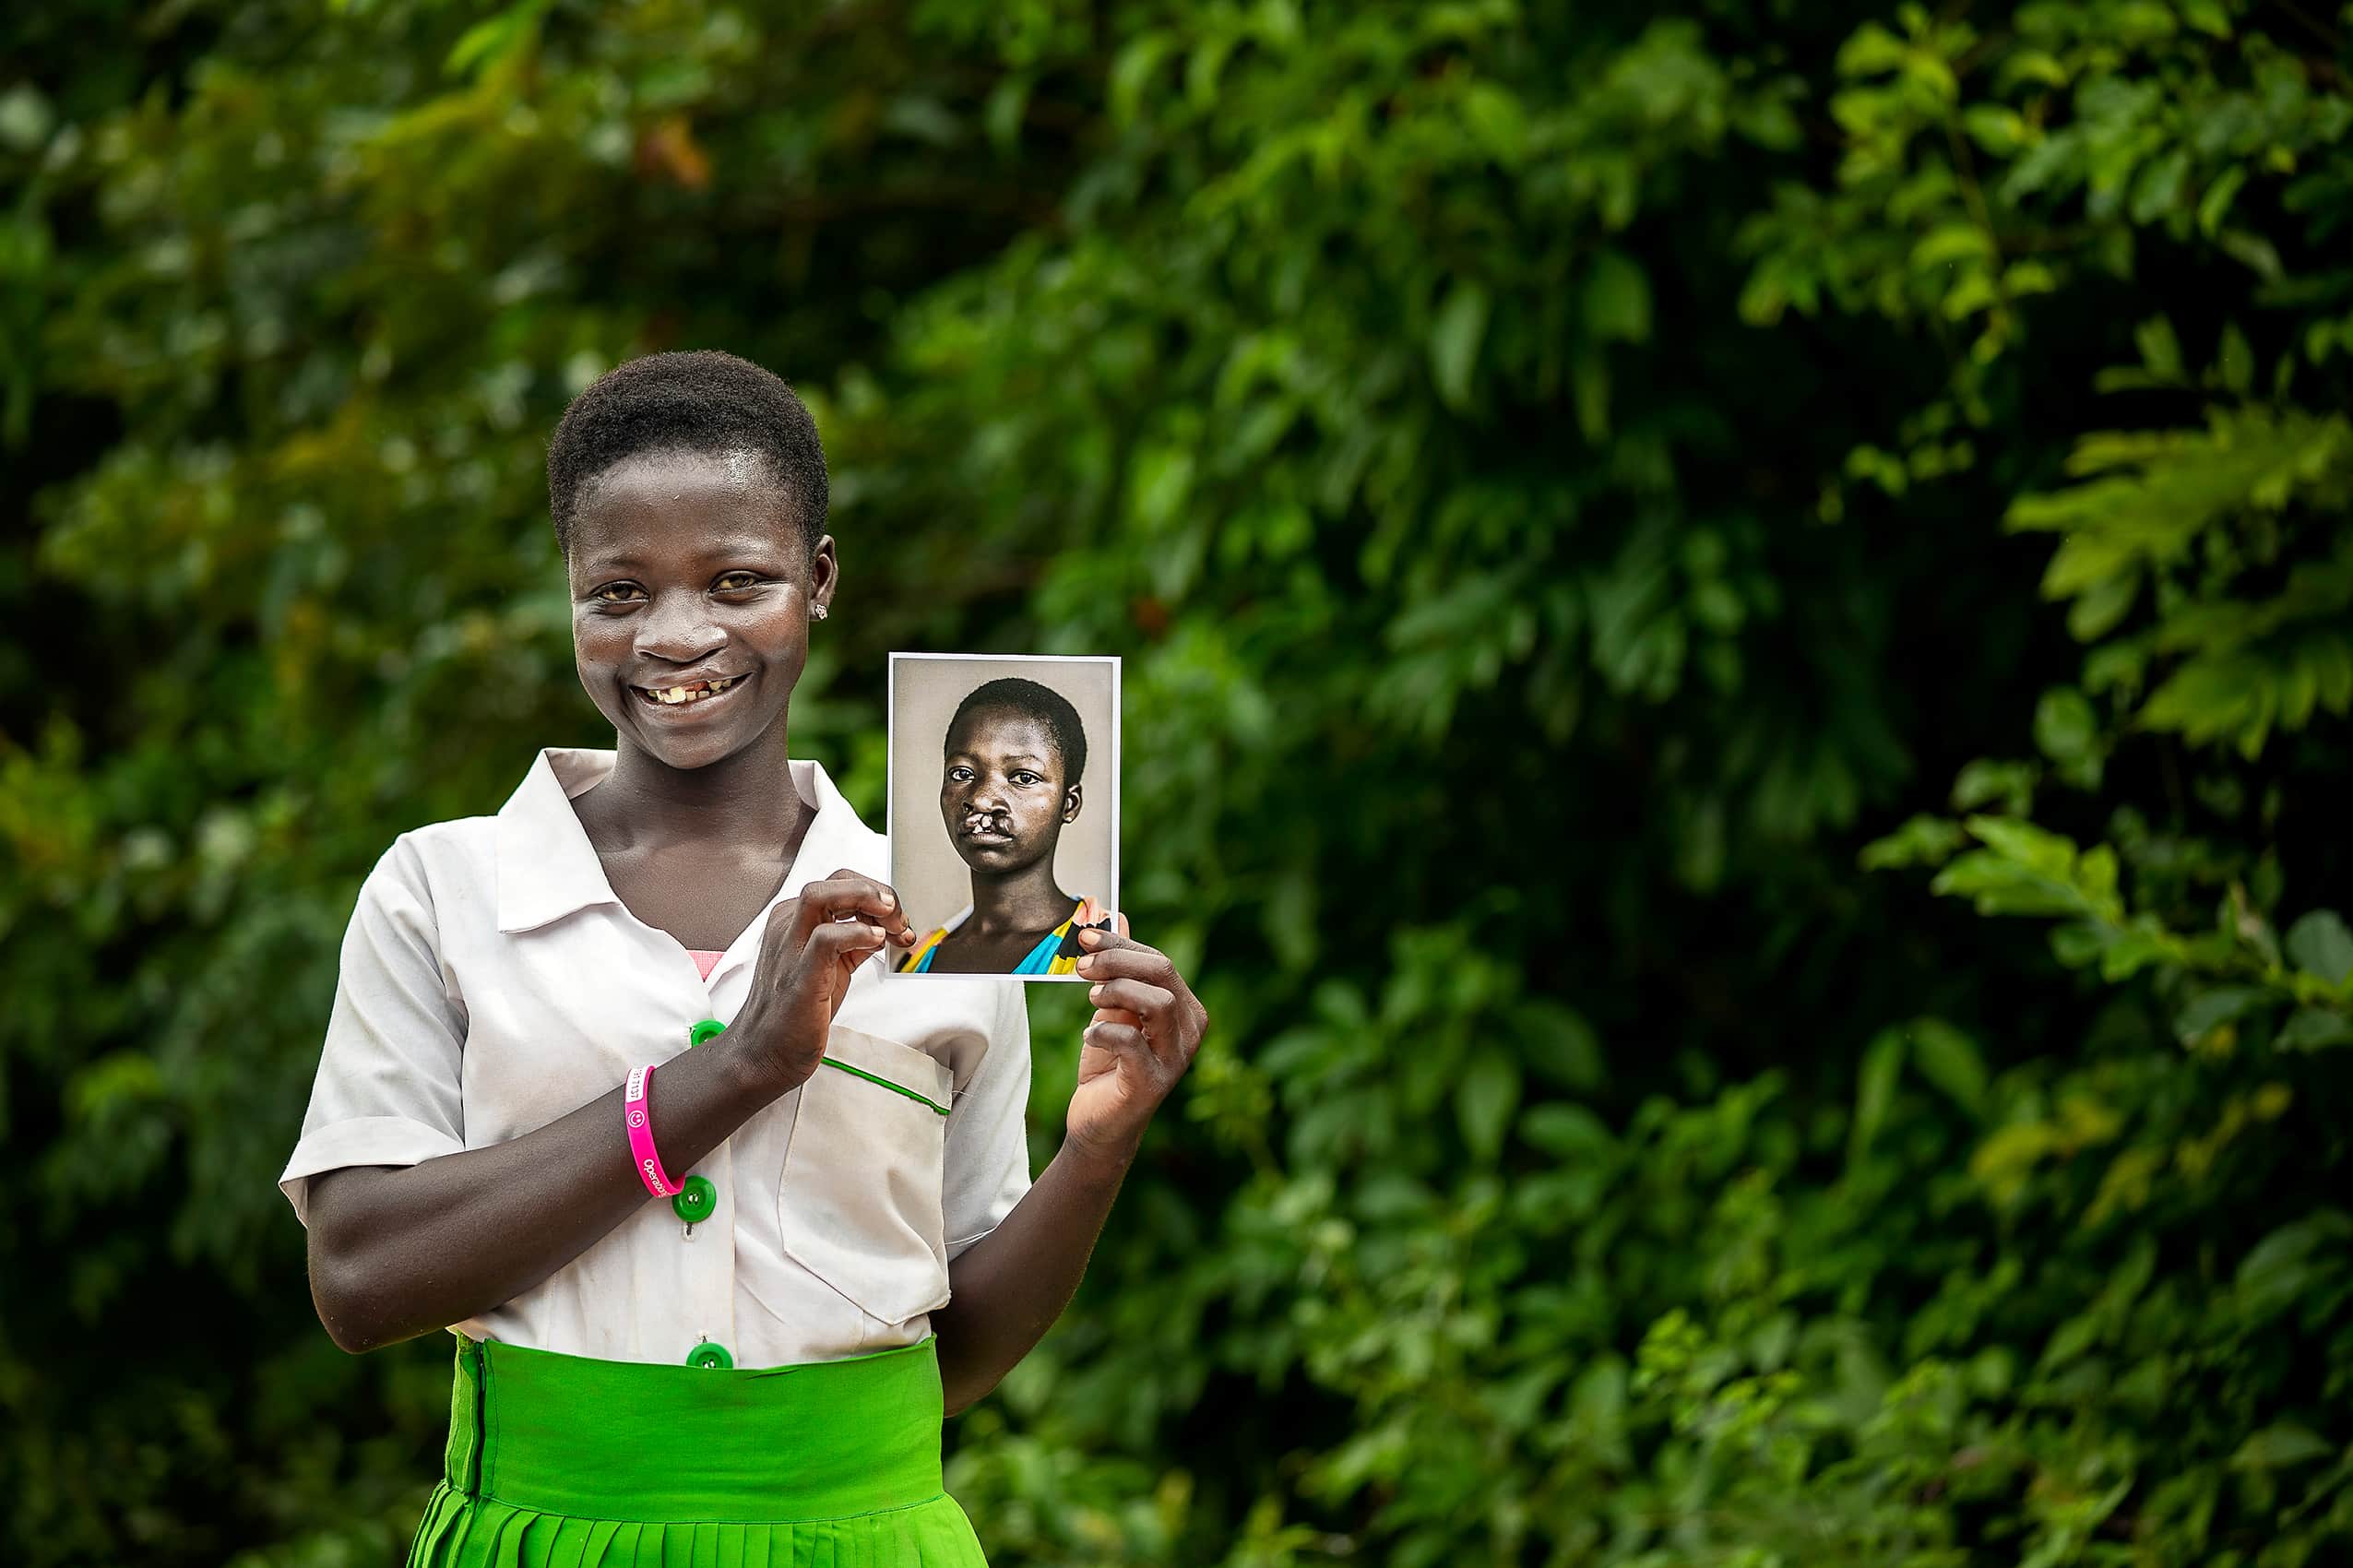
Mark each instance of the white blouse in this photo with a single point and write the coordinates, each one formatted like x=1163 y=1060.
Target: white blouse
x=491 y=982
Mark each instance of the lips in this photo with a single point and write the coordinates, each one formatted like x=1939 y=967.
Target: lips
x=982 y=828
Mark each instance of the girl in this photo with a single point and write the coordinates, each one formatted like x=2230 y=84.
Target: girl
x=657 y=973
x=1014 y=754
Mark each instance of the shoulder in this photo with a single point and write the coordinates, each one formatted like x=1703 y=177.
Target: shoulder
x=439 y=866
x=438 y=847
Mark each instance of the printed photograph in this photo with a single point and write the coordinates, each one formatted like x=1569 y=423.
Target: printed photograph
x=1003 y=816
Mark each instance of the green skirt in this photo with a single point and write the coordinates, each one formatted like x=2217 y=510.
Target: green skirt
x=573 y=1462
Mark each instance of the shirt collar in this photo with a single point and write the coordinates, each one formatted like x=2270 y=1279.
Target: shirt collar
x=548 y=869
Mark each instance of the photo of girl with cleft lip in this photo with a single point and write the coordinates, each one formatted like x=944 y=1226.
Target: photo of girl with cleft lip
x=1012 y=768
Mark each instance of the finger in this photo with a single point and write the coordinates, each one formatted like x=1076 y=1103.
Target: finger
x=1116 y=1015
x=1145 y=1000
x=848 y=943
x=1133 y=961
x=846 y=897
x=1123 y=924
x=846 y=874
x=1124 y=1037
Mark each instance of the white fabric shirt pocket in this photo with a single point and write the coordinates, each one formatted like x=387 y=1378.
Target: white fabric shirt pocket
x=858 y=1204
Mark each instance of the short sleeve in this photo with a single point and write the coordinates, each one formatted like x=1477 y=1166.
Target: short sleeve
x=387 y=1090
x=987 y=1162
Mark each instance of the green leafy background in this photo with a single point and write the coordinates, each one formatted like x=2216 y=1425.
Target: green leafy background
x=1739 y=630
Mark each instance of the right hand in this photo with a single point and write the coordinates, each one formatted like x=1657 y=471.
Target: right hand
x=808 y=952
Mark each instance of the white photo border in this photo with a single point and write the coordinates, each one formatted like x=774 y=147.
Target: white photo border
x=890 y=772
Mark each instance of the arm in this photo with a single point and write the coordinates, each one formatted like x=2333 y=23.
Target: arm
x=396 y=1252
x=399 y=1251
x=1010 y=1287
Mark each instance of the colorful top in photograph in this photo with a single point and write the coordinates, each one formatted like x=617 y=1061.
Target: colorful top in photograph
x=1057 y=951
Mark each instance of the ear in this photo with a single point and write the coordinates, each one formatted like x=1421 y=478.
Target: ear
x=824 y=571
x=1070 y=803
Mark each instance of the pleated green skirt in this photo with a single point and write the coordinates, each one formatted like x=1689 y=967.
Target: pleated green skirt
x=560 y=1461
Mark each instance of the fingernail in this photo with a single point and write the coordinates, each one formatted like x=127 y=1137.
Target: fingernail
x=1088 y=936
x=1094 y=994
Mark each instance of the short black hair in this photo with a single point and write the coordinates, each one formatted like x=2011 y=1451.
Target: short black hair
x=700 y=400
x=1045 y=704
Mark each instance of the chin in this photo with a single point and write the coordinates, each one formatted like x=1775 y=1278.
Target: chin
x=979 y=861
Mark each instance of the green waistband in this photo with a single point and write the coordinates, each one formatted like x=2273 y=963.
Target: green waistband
x=637 y=1440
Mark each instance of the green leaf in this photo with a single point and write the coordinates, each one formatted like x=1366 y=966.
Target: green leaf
x=1987 y=780
x=2097 y=609
x=2160 y=350
x=2212 y=1009
x=1485 y=1098
x=2321 y=946
x=1949 y=1059
x=2159 y=188
x=2207 y=15
x=1998 y=128
x=1133 y=71
x=1922 y=840
x=2234 y=360
x=1566 y=1132
x=2279 y=1445
x=495 y=38
x=1617 y=299
x=2215 y=204
x=1869 y=51
x=2067 y=729
x=2314 y=1029
x=1952 y=242
x=1874 y=1091
x=2017 y=839
x=2276 y=1270
x=1455 y=337
x=1558 y=1043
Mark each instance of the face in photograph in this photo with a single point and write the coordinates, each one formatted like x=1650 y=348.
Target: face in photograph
x=1005 y=792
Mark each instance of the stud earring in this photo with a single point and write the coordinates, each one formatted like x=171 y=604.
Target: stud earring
x=819 y=612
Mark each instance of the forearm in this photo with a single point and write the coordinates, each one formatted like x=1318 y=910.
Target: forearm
x=1012 y=1285
x=399 y=1252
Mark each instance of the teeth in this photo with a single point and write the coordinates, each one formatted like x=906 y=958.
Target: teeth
x=674 y=695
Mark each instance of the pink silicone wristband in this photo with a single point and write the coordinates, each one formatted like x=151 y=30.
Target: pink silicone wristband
x=641 y=1135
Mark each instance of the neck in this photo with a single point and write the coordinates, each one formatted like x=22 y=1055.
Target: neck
x=1018 y=901
x=747 y=799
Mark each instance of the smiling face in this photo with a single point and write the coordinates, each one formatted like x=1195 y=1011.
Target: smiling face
x=689 y=570
x=1002 y=795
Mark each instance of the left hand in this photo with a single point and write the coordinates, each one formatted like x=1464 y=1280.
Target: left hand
x=1146 y=1029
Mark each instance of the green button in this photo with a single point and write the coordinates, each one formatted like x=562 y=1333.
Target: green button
x=704 y=1031
x=708 y=1355
x=693 y=1200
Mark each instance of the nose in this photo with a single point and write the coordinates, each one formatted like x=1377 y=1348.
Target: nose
x=986 y=796
x=678 y=627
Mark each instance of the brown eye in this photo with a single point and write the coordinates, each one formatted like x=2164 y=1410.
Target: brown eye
x=753 y=580
x=600 y=594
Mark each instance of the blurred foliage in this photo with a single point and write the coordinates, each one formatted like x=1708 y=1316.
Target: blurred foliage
x=1608 y=515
